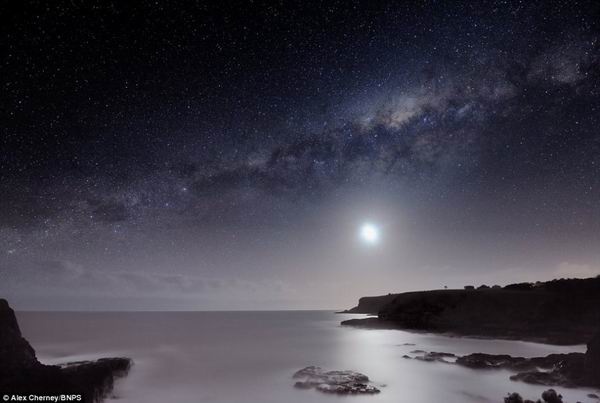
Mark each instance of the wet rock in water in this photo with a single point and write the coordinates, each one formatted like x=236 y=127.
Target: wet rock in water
x=435 y=356
x=567 y=370
x=338 y=382
x=549 y=396
x=491 y=361
x=543 y=378
x=502 y=361
x=513 y=398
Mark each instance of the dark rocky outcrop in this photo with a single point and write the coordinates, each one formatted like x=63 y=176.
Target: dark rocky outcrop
x=433 y=356
x=548 y=396
x=338 y=382
x=369 y=323
x=503 y=361
x=22 y=373
x=567 y=370
x=558 y=311
x=592 y=361
x=371 y=305
x=15 y=351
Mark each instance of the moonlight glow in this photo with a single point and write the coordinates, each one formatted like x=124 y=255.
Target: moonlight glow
x=369 y=233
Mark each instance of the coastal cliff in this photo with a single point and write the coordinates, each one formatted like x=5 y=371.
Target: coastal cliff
x=558 y=311
x=371 y=305
x=22 y=374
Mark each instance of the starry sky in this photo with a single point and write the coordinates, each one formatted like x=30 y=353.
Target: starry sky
x=199 y=155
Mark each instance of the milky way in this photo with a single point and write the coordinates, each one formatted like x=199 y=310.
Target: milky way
x=177 y=155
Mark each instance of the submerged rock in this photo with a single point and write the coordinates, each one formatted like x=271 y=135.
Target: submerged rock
x=339 y=382
x=21 y=372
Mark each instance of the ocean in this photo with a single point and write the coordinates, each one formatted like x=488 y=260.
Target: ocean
x=250 y=357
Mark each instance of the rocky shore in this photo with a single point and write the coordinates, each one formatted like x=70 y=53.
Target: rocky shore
x=565 y=311
x=22 y=374
x=566 y=370
x=557 y=312
x=548 y=396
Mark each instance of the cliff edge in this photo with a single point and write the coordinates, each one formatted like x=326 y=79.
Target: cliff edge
x=558 y=311
x=22 y=374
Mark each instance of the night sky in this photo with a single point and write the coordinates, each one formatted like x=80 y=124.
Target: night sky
x=187 y=155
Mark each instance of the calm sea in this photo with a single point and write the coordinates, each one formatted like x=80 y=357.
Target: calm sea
x=249 y=357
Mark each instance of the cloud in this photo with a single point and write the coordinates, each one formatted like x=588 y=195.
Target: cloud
x=65 y=278
x=574 y=270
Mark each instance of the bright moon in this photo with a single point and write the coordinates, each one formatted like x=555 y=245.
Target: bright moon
x=369 y=233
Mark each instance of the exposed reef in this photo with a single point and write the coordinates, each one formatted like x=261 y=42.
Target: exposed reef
x=338 y=382
x=22 y=374
x=567 y=370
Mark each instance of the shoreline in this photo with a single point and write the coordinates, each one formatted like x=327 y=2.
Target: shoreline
x=374 y=323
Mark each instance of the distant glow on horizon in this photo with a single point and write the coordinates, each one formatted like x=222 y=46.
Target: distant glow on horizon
x=369 y=233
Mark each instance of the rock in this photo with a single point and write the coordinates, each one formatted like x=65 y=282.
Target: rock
x=371 y=305
x=15 y=351
x=513 y=398
x=593 y=396
x=348 y=389
x=543 y=378
x=566 y=362
x=550 y=396
x=338 y=382
x=370 y=323
x=434 y=356
x=592 y=361
x=558 y=369
x=490 y=361
x=22 y=373
x=565 y=370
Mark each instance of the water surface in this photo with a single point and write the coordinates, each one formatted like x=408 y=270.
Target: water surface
x=249 y=357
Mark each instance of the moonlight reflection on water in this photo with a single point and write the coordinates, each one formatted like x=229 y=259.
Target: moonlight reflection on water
x=250 y=357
